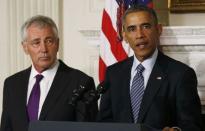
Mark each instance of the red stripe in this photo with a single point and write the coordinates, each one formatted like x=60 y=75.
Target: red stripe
x=116 y=46
x=150 y=5
x=102 y=69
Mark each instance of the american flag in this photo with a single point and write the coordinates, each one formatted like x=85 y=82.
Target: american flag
x=112 y=48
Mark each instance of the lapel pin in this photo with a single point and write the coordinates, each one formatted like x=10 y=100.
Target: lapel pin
x=159 y=78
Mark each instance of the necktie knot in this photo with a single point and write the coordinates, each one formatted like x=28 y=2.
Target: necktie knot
x=140 y=68
x=39 y=77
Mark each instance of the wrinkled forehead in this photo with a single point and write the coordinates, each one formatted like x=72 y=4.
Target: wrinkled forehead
x=40 y=30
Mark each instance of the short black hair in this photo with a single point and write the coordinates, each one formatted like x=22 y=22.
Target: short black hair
x=138 y=8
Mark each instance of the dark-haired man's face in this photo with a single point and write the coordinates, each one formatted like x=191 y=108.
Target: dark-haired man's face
x=142 y=34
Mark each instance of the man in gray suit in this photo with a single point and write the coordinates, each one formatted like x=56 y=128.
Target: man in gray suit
x=150 y=87
x=43 y=91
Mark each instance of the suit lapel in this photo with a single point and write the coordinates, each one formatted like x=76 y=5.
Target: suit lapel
x=125 y=91
x=21 y=92
x=153 y=85
x=57 y=87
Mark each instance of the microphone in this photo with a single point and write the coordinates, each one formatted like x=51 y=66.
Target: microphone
x=94 y=95
x=83 y=99
x=77 y=95
x=101 y=89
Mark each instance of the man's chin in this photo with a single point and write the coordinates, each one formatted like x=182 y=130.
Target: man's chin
x=45 y=66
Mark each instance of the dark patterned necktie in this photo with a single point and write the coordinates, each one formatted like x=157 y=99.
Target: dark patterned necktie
x=33 y=102
x=137 y=91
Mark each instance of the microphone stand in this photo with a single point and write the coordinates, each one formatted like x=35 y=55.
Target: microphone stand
x=75 y=102
x=77 y=95
x=88 y=99
x=94 y=95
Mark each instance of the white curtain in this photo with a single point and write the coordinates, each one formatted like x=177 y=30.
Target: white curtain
x=12 y=14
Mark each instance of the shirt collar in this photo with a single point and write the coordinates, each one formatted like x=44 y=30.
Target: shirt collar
x=47 y=73
x=148 y=63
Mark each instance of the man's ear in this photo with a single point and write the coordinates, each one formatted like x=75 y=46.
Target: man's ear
x=25 y=48
x=58 y=41
x=159 y=28
x=124 y=36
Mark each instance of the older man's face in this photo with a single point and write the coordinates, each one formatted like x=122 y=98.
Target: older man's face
x=42 y=46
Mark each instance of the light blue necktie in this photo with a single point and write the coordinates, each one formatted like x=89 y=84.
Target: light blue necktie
x=137 y=91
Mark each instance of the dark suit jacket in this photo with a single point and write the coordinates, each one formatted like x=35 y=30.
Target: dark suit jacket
x=55 y=107
x=170 y=98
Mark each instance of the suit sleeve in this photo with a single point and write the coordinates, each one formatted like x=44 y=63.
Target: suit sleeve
x=188 y=103
x=5 y=121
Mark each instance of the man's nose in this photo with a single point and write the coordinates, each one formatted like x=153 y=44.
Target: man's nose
x=43 y=46
x=139 y=33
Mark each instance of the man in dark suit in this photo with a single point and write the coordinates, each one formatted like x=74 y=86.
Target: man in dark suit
x=54 y=89
x=168 y=97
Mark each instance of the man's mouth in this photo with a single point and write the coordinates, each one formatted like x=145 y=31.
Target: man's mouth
x=141 y=45
x=44 y=57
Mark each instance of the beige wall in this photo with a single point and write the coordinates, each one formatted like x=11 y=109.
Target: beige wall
x=189 y=19
x=77 y=22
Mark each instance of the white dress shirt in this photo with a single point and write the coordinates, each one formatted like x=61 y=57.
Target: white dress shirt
x=45 y=83
x=148 y=65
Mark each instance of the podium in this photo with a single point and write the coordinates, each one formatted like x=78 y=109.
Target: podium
x=86 y=126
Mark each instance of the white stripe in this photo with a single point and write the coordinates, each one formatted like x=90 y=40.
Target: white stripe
x=127 y=48
x=105 y=51
x=111 y=8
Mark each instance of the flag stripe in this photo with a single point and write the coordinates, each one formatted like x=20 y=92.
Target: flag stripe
x=111 y=49
x=150 y=5
x=105 y=51
x=111 y=8
x=102 y=67
x=108 y=30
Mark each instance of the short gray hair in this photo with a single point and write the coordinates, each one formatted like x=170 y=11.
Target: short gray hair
x=41 y=21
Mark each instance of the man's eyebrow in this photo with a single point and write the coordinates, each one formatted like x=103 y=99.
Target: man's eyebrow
x=146 y=23
x=49 y=37
x=36 y=39
x=131 y=26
